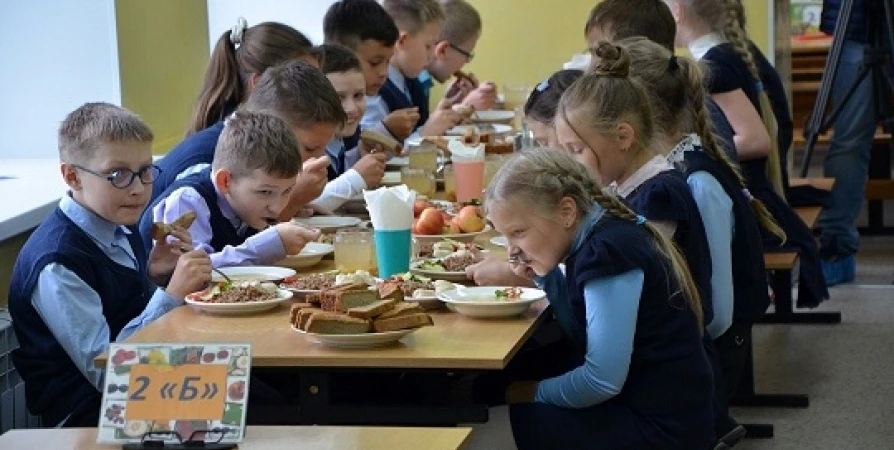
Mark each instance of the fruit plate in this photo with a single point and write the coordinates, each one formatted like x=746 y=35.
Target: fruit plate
x=328 y=223
x=460 y=130
x=310 y=256
x=365 y=340
x=238 y=309
x=481 y=302
x=463 y=237
x=252 y=273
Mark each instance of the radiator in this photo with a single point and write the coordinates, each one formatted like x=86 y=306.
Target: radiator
x=13 y=412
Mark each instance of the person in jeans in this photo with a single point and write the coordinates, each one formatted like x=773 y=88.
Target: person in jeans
x=849 y=150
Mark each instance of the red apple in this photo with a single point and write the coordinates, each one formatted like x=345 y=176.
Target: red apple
x=469 y=219
x=419 y=206
x=430 y=222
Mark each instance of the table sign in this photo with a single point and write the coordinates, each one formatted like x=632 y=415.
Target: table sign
x=157 y=390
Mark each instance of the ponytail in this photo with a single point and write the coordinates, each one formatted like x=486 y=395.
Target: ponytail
x=739 y=39
x=238 y=54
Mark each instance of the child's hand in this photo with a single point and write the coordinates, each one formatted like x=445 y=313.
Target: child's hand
x=192 y=273
x=165 y=253
x=295 y=237
x=371 y=168
x=309 y=184
x=440 y=121
x=402 y=122
x=495 y=272
x=483 y=97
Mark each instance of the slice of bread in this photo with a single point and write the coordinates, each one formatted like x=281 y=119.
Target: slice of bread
x=303 y=316
x=405 y=322
x=373 y=309
x=343 y=300
x=312 y=298
x=402 y=309
x=330 y=323
x=373 y=137
x=392 y=290
x=296 y=307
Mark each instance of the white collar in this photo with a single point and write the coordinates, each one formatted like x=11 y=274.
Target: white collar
x=689 y=143
x=700 y=46
x=651 y=168
x=398 y=78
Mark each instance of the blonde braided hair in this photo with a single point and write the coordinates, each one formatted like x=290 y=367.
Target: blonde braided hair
x=542 y=177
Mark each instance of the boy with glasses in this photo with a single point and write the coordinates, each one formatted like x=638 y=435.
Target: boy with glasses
x=83 y=278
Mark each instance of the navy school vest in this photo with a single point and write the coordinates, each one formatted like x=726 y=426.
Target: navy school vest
x=54 y=386
x=195 y=149
x=396 y=99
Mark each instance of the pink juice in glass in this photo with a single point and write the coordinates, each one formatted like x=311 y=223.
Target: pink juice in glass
x=469 y=180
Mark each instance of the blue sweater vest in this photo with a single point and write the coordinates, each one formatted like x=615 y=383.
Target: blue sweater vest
x=54 y=386
x=395 y=99
x=223 y=231
x=195 y=149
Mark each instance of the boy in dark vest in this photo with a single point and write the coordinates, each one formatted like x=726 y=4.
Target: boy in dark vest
x=419 y=24
x=245 y=189
x=83 y=278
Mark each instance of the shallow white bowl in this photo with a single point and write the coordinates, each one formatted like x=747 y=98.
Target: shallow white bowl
x=469 y=301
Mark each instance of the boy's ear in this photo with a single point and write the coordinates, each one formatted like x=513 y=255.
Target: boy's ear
x=253 y=80
x=441 y=49
x=222 y=180
x=70 y=175
x=401 y=40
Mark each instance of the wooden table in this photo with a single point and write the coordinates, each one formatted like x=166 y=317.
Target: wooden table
x=267 y=438
x=455 y=344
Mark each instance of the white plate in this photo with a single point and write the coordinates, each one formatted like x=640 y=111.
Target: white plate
x=253 y=273
x=427 y=303
x=238 y=309
x=391 y=178
x=328 y=222
x=310 y=256
x=398 y=161
x=464 y=237
x=499 y=241
x=365 y=340
x=459 y=130
x=493 y=115
x=466 y=301
x=440 y=275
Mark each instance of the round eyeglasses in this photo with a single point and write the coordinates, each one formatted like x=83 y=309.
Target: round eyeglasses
x=123 y=178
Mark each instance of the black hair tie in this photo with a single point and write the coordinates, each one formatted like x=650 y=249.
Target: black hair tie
x=673 y=64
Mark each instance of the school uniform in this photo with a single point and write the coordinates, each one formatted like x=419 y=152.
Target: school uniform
x=189 y=156
x=660 y=193
x=398 y=92
x=642 y=379
x=345 y=183
x=217 y=229
x=78 y=284
x=749 y=282
x=728 y=73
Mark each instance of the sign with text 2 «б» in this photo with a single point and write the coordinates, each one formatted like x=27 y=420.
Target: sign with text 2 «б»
x=183 y=388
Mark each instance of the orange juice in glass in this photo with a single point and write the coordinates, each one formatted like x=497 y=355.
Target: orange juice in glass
x=469 y=176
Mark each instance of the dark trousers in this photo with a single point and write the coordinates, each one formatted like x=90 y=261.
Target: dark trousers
x=732 y=351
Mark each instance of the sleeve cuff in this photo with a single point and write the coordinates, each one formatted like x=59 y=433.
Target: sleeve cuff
x=356 y=180
x=268 y=244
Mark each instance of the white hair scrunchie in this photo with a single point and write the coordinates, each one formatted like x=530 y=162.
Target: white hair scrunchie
x=238 y=31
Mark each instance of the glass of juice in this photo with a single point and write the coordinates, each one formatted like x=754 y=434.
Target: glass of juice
x=449 y=183
x=425 y=157
x=515 y=95
x=419 y=180
x=469 y=176
x=354 y=250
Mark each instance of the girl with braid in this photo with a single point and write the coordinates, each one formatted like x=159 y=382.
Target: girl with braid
x=636 y=376
x=731 y=216
x=711 y=30
x=605 y=121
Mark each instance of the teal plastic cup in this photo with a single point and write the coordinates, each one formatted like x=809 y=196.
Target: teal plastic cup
x=392 y=251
